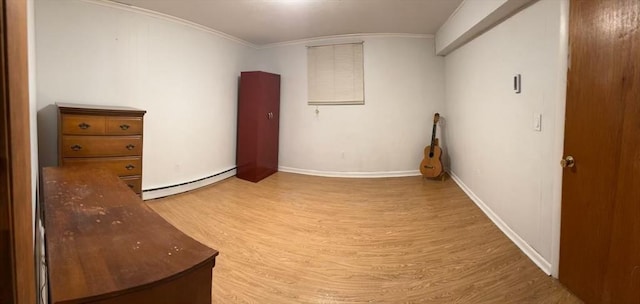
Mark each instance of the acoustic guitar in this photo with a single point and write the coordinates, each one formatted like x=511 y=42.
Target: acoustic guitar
x=431 y=165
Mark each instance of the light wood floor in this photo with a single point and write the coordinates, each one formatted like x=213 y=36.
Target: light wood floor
x=304 y=239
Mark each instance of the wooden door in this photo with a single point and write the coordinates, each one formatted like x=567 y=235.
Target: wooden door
x=267 y=135
x=262 y=119
x=600 y=233
x=17 y=260
x=272 y=125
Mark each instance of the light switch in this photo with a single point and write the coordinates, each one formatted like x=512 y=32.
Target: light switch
x=537 y=122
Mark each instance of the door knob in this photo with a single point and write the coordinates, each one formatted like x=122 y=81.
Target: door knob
x=568 y=162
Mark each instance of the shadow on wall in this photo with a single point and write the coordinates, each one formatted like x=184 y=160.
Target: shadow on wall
x=446 y=161
x=48 y=136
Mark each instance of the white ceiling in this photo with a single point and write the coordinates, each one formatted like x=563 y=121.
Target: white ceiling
x=271 y=21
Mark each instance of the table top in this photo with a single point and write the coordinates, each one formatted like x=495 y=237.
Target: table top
x=73 y=108
x=103 y=240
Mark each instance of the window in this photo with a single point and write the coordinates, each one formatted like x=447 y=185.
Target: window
x=336 y=74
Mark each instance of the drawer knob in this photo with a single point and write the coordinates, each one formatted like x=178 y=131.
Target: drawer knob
x=84 y=126
x=130 y=147
x=76 y=147
x=130 y=167
x=124 y=127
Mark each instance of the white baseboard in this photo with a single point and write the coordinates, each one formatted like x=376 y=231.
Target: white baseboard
x=377 y=174
x=514 y=237
x=188 y=186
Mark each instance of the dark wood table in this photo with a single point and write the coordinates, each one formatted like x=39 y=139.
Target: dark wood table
x=105 y=245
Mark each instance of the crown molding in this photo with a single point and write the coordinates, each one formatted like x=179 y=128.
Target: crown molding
x=131 y=8
x=158 y=15
x=346 y=38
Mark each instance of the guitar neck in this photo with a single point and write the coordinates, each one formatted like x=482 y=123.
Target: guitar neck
x=433 y=138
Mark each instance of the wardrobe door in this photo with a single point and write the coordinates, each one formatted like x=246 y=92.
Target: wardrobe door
x=270 y=132
x=247 y=144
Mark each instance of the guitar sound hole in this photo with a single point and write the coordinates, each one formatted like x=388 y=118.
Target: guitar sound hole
x=431 y=155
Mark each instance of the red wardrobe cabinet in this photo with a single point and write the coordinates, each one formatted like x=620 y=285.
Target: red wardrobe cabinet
x=258 y=125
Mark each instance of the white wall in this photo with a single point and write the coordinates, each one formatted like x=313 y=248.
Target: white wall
x=385 y=136
x=471 y=18
x=185 y=77
x=33 y=126
x=507 y=167
x=468 y=14
x=33 y=129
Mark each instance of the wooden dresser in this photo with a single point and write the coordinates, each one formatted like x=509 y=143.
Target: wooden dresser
x=103 y=136
x=105 y=245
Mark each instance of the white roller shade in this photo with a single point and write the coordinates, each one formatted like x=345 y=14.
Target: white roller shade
x=336 y=74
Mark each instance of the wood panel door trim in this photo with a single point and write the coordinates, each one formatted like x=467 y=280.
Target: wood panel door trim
x=558 y=144
x=16 y=189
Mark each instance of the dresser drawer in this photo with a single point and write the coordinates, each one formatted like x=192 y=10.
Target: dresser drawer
x=92 y=146
x=124 y=125
x=134 y=182
x=122 y=166
x=82 y=124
